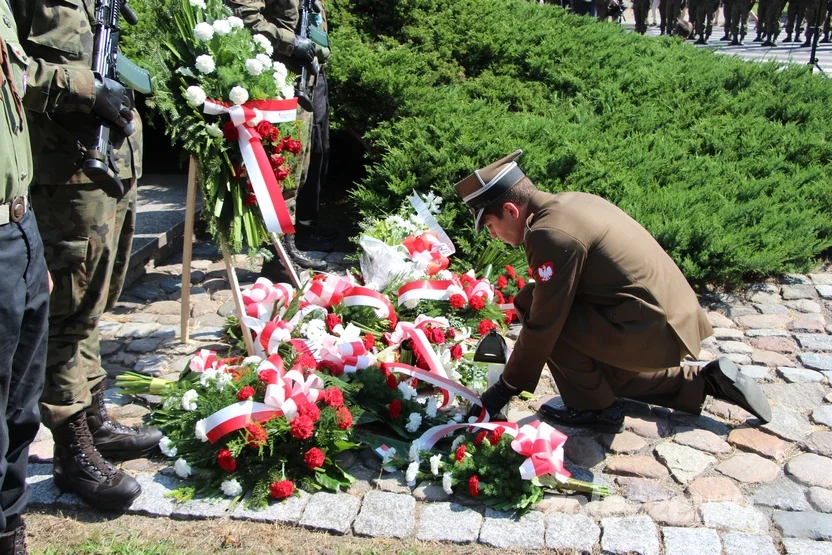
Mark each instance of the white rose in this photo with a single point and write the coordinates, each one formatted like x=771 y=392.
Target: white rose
x=254 y=67
x=413 y=455
x=200 y=431
x=195 y=95
x=205 y=64
x=434 y=464
x=264 y=43
x=265 y=60
x=197 y=3
x=214 y=130
x=238 y=95
x=189 y=399
x=167 y=447
x=182 y=468
x=413 y=422
x=221 y=27
x=411 y=303
x=203 y=31
x=447 y=479
x=235 y=22
x=408 y=391
x=231 y=488
x=410 y=475
x=430 y=409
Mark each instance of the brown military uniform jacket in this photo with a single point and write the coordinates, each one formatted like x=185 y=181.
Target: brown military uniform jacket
x=58 y=36
x=601 y=276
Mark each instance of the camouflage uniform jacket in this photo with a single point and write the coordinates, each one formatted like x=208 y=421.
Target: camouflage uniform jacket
x=15 y=154
x=58 y=36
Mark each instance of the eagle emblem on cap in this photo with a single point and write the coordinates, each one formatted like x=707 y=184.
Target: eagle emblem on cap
x=546 y=271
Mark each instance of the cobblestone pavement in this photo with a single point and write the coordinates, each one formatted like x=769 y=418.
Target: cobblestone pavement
x=708 y=484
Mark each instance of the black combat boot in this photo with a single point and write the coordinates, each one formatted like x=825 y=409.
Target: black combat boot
x=300 y=258
x=825 y=39
x=610 y=419
x=114 y=441
x=80 y=468
x=788 y=37
x=723 y=380
x=13 y=542
x=808 y=42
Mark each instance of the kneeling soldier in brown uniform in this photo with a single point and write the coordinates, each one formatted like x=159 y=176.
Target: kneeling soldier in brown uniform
x=609 y=310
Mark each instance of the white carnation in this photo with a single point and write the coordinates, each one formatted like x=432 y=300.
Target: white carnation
x=235 y=22
x=389 y=457
x=413 y=422
x=444 y=274
x=280 y=68
x=254 y=67
x=189 y=399
x=408 y=391
x=410 y=475
x=434 y=464
x=413 y=455
x=167 y=447
x=186 y=71
x=231 y=488
x=287 y=91
x=253 y=359
x=182 y=468
x=264 y=43
x=197 y=3
x=238 y=95
x=457 y=442
x=205 y=64
x=221 y=27
x=203 y=31
x=447 y=479
x=265 y=60
x=195 y=95
x=200 y=431
x=411 y=303
x=214 y=130
x=314 y=329
x=430 y=409
x=223 y=380
x=207 y=376
x=458 y=417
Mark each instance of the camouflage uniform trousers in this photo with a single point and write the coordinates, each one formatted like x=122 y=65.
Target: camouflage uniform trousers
x=669 y=11
x=827 y=21
x=811 y=14
x=762 y=9
x=640 y=9
x=740 y=10
x=795 y=15
x=87 y=236
x=772 y=21
x=697 y=15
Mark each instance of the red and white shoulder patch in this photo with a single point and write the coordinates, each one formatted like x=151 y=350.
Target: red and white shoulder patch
x=545 y=271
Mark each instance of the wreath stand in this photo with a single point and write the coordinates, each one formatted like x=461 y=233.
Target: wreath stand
x=187 y=253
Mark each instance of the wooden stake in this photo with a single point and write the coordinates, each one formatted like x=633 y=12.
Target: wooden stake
x=237 y=294
x=281 y=252
x=187 y=253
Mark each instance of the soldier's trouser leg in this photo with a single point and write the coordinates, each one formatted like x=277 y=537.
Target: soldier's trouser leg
x=760 y=25
x=773 y=19
x=640 y=15
x=663 y=20
x=746 y=12
x=307 y=201
x=791 y=14
x=736 y=16
x=24 y=313
x=811 y=13
x=87 y=236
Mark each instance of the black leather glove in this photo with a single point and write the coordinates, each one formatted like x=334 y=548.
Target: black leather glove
x=322 y=52
x=112 y=103
x=304 y=50
x=494 y=399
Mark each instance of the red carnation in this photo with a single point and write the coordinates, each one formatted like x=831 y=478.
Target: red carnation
x=333 y=397
x=314 y=458
x=499 y=296
x=476 y=303
x=502 y=282
x=457 y=301
x=267 y=376
x=383 y=368
x=281 y=174
x=511 y=299
x=330 y=367
x=226 y=460
x=466 y=280
x=394 y=320
x=256 y=435
x=229 y=131
x=245 y=393
x=474 y=485
x=480 y=437
x=511 y=316
x=311 y=410
x=344 y=418
x=291 y=145
x=495 y=436
x=510 y=271
x=392 y=381
x=521 y=283
x=332 y=320
x=369 y=341
x=395 y=408
x=306 y=361
x=460 y=453
x=264 y=129
x=530 y=273
x=485 y=326
x=452 y=333
x=276 y=160
x=436 y=336
x=282 y=489
x=250 y=200
x=456 y=352
x=302 y=427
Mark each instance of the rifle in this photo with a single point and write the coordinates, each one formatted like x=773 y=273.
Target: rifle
x=107 y=62
x=302 y=87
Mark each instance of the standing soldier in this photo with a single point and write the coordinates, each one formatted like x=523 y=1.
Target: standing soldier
x=87 y=230
x=670 y=11
x=24 y=296
x=279 y=21
x=774 y=11
x=697 y=11
x=812 y=14
x=794 y=19
x=827 y=22
x=640 y=8
x=760 y=24
x=711 y=17
x=740 y=10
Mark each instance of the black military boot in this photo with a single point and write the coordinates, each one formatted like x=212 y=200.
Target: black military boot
x=808 y=42
x=610 y=419
x=115 y=441
x=788 y=37
x=80 y=468
x=300 y=258
x=723 y=380
x=825 y=39
x=13 y=542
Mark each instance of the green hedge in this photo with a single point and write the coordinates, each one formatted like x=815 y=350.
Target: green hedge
x=728 y=163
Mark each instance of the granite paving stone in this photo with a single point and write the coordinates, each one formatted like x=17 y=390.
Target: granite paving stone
x=574 y=532
x=799 y=375
x=772 y=308
x=428 y=491
x=821 y=279
x=137 y=330
x=684 y=463
x=330 y=512
x=713 y=488
x=583 y=451
x=683 y=421
x=637 y=534
x=643 y=490
x=823 y=415
x=806 y=525
x=393 y=482
x=448 y=522
x=766 y=298
x=560 y=504
x=623 y=443
x=735 y=347
x=207 y=333
x=728 y=334
x=816 y=361
x=825 y=291
x=782 y=494
x=703 y=440
x=757 y=441
x=43 y=491
x=728 y=411
x=640 y=466
x=807 y=325
x=614 y=505
x=820 y=443
x=821 y=499
x=814 y=341
x=749 y=468
x=767 y=333
x=153 y=500
x=801 y=291
x=796 y=546
x=153 y=365
x=691 y=541
x=757 y=372
x=765 y=321
x=739 y=359
x=718 y=320
x=803 y=305
x=108 y=329
x=286 y=511
x=648 y=427
x=788 y=423
x=506 y=530
x=673 y=512
x=213 y=507
x=811 y=470
x=770 y=358
x=385 y=514
x=742 y=543
x=731 y=516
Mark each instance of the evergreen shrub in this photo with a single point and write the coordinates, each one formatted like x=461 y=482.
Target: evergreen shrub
x=727 y=163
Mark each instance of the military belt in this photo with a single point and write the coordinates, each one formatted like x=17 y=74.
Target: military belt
x=13 y=211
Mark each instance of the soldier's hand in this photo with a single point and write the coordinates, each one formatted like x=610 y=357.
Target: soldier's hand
x=322 y=53
x=494 y=399
x=112 y=103
x=304 y=50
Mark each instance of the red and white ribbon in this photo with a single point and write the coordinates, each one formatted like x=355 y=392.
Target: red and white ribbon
x=261 y=298
x=425 y=249
x=269 y=335
x=543 y=445
x=448 y=387
x=428 y=439
x=434 y=290
x=364 y=296
x=266 y=188
x=328 y=291
x=348 y=356
x=480 y=288
x=203 y=360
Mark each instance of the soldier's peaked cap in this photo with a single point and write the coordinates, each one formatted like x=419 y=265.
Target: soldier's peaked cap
x=487 y=184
